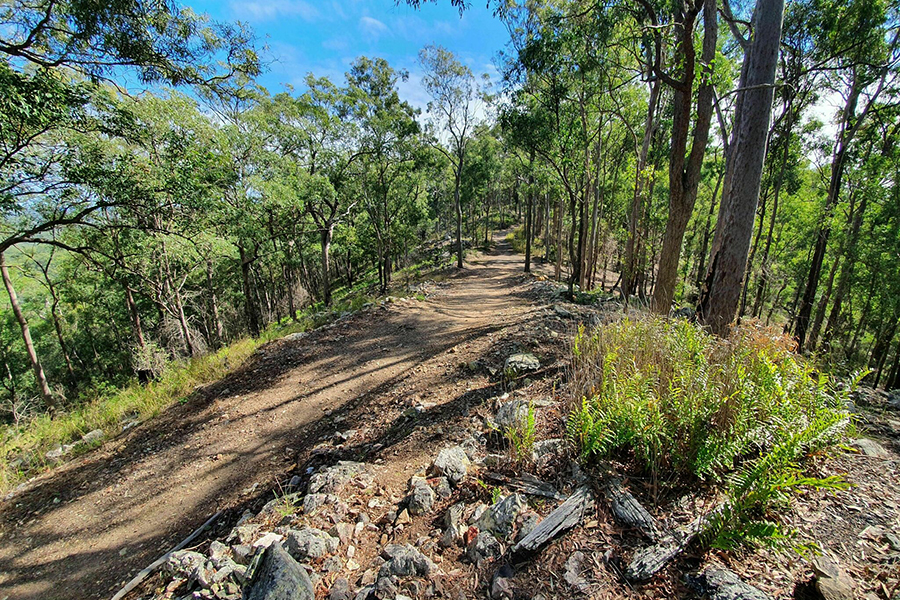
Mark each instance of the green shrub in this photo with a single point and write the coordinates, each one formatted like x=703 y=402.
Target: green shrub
x=682 y=403
x=521 y=436
x=517 y=239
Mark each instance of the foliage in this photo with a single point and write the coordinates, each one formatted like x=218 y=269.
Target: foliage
x=521 y=436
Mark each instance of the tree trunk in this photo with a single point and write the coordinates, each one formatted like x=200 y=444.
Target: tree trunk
x=743 y=172
x=327 y=233
x=39 y=376
x=684 y=171
x=529 y=217
x=249 y=301
x=458 y=207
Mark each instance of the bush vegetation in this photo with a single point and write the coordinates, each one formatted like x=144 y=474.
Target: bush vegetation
x=680 y=403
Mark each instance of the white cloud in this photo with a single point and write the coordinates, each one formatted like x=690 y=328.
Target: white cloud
x=263 y=10
x=372 y=28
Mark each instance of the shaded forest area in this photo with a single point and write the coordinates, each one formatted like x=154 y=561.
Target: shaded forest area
x=680 y=154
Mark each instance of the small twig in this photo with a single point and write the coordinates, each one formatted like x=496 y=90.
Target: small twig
x=155 y=564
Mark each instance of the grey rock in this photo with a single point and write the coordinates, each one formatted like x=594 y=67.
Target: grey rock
x=443 y=489
x=684 y=313
x=512 y=414
x=501 y=517
x=329 y=503
x=385 y=588
x=343 y=532
x=574 y=571
x=450 y=537
x=721 y=584
x=517 y=364
x=92 y=436
x=870 y=448
x=404 y=560
x=217 y=552
x=421 y=497
x=333 y=478
x=478 y=512
x=452 y=463
x=340 y=590
x=527 y=523
x=832 y=582
x=242 y=553
x=310 y=543
x=454 y=514
x=280 y=577
x=365 y=593
x=545 y=450
x=190 y=565
x=333 y=564
x=484 y=547
x=244 y=534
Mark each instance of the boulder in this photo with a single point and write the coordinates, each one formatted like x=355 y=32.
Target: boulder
x=280 y=577
x=308 y=543
x=721 y=584
x=832 y=582
x=452 y=463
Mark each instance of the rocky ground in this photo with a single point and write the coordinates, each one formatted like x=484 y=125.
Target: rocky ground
x=413 y=491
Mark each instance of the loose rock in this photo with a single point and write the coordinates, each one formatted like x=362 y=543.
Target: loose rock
x=404 y=561
x=280 y=577
x=308 y=543
x=452 y=463
x=501 y=517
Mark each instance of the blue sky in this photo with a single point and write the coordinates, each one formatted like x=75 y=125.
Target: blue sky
x=324 y=36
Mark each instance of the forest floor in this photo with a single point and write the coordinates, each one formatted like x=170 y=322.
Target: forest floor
x=390 y=386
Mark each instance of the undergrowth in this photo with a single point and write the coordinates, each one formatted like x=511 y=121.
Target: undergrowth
x=682 y=404
x=23 y=447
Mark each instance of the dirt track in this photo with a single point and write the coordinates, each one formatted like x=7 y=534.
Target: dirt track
x=87 y=527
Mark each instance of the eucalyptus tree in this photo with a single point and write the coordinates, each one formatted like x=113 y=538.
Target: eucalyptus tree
x=860 y=46
x=453 y=112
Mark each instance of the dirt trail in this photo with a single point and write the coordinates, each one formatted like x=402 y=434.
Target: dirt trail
x=85 y=528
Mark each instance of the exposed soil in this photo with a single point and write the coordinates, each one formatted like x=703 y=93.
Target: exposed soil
x=83 y=529
x=390 y=386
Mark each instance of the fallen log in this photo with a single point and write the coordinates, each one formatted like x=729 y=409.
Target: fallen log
x=650 y=560
x=628 y=511
x=569 y=514
x=722 y=584
x=527 y=484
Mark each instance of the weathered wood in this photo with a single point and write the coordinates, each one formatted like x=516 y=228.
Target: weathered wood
x=569 y=514
x=721 y=584
x=628 y=511
x=528 y=485
x=159 y=561
x=649 y=561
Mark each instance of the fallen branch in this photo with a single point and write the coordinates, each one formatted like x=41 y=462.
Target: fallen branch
x=628 y=511
x=159 y=561
x=569 y=514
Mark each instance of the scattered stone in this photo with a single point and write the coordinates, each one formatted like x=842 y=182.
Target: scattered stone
x=280 y=577
x=405 y=560
x=333 y=478
x=721 y=584
x=244 y=534
x=342 y=531
x=512 y=414
x=574 y=570
x=527 y=523
x=189 y=565
x=402 y=518
x=217 y=552
x=545 y=450
x=476 y=514
x=340 y=590
x=628 y=511
x=502 y=516
x=517 y=364
x=501 y=587
x=452 y=463
x=333 y=564
x=92 y=436
x=421 y=497
x=443 y=489
x=484 y=547
x=308 y=543
x=870 y=448
x=328 y=504
x=242 y=553
x=832 y=582
x=267 y=540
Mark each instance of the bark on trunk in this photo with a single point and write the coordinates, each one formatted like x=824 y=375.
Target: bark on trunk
x=40 y=378
x=734 y=229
